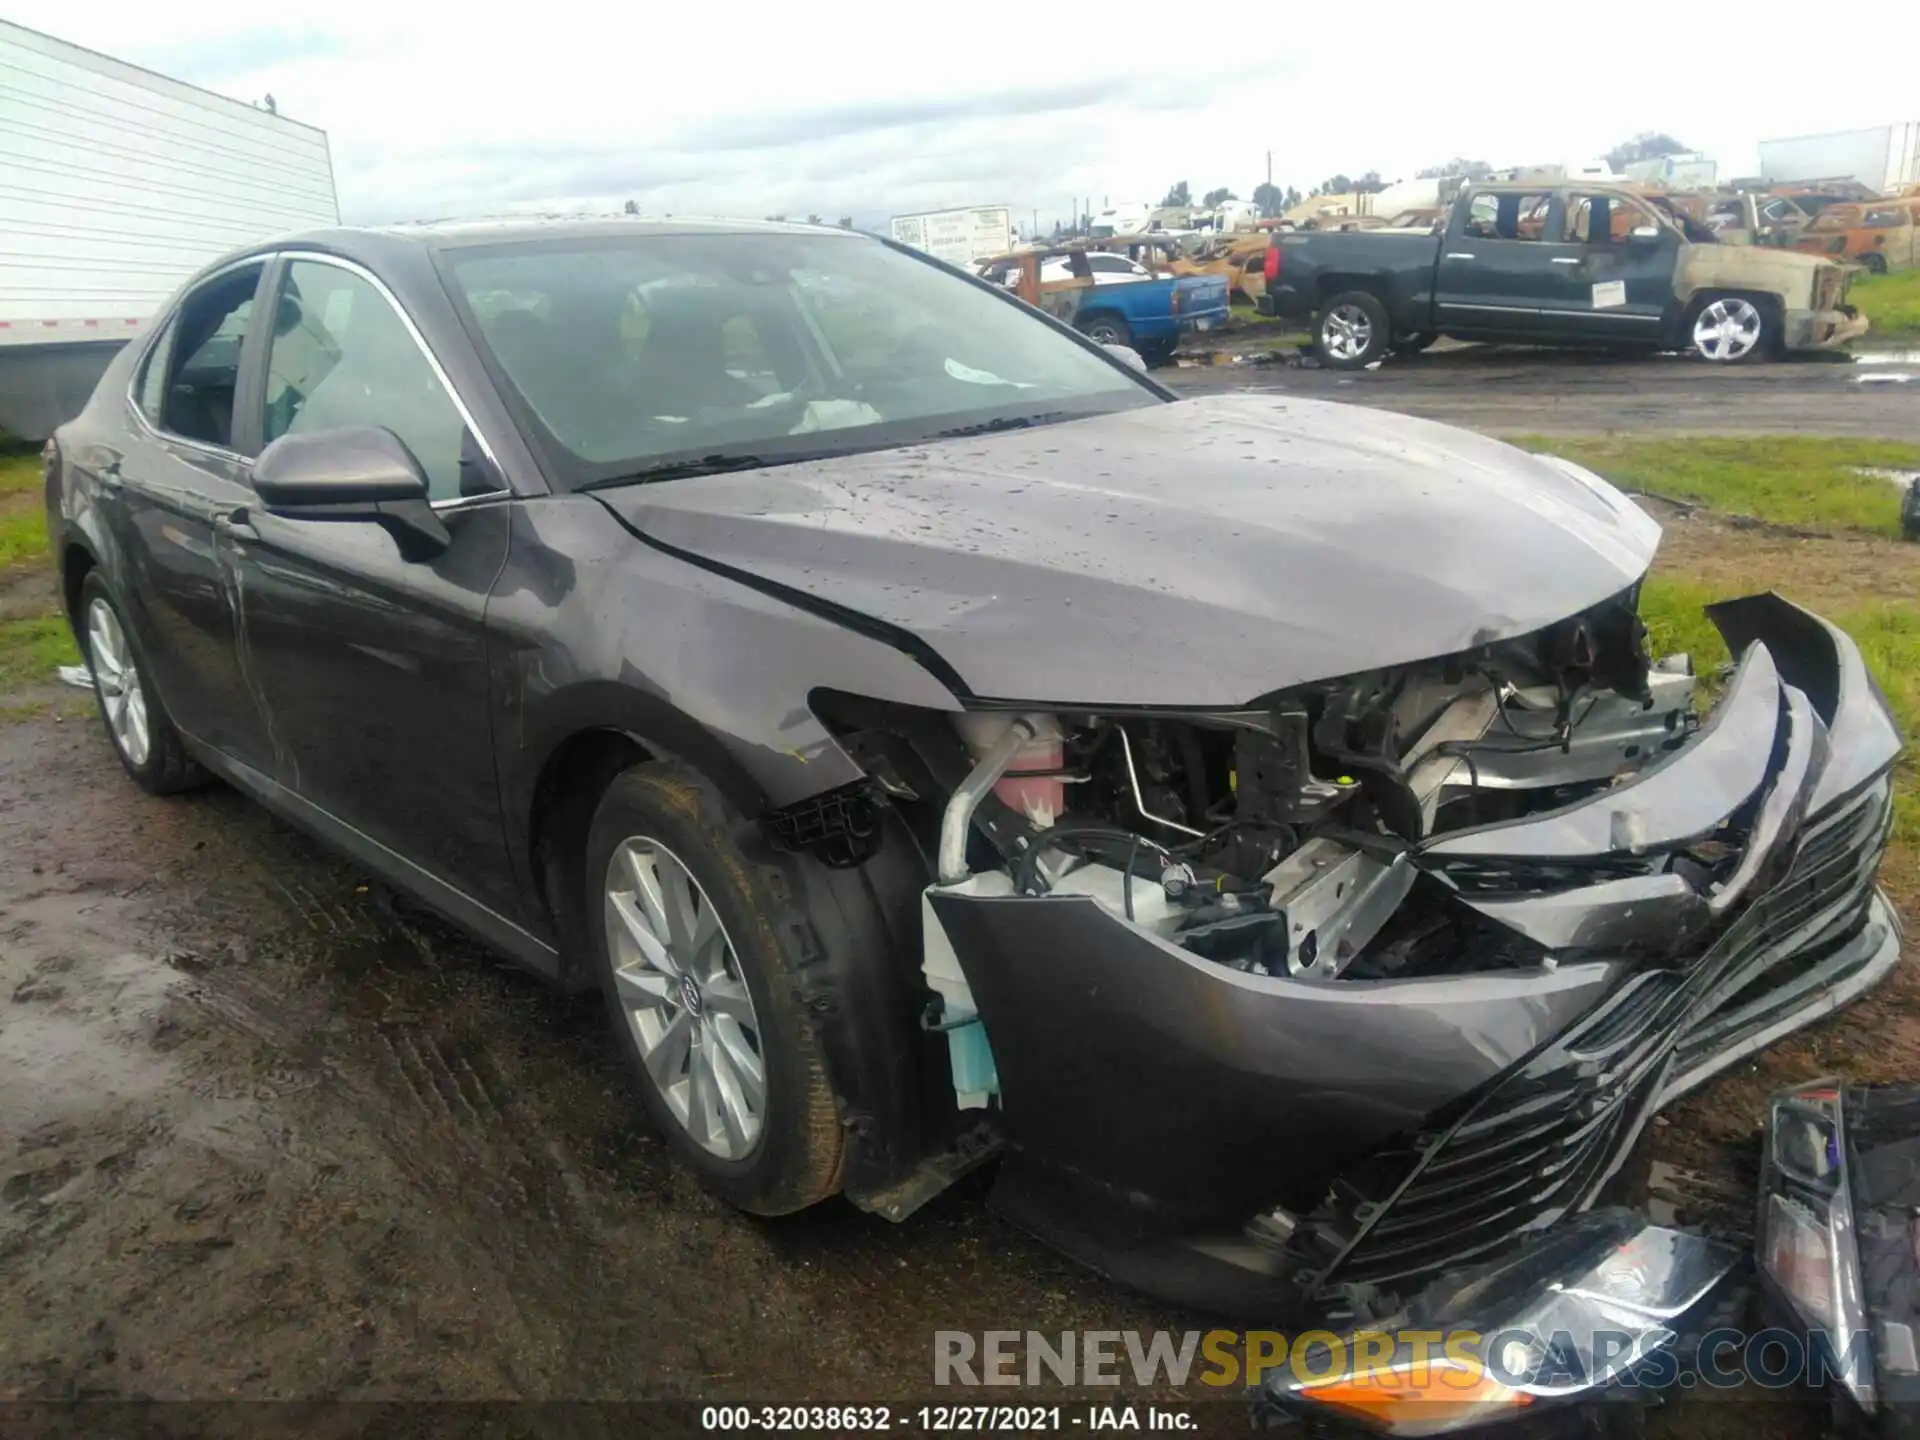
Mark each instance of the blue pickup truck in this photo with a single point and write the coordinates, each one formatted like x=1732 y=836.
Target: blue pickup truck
x=1112 y=298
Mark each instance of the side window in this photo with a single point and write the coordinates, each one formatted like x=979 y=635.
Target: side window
x=151 y=388
x=203 y=363
x=1602 y=219
x=341 y=355
x=1508 y=216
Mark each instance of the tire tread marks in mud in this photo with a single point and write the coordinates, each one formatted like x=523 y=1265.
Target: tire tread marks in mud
x=799 y=1158
x=451 y=1091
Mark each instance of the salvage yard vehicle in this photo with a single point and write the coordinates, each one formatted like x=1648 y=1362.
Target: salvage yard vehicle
x=1746 y=218
x=1257 y=825
x=1146 y=312
x=1544 y=264
x=1883 y=237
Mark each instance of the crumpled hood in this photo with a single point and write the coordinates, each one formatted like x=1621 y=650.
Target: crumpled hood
x=1202 y=553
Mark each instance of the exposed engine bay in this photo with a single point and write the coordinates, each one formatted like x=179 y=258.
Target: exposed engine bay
x=1282 y=838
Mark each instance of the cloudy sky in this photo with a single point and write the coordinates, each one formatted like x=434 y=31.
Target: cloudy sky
x=840 y=107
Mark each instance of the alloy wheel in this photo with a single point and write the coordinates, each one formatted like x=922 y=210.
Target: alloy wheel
x=686 y=1003
x=117 y=678
x=1346 y=331
x=1728 y=329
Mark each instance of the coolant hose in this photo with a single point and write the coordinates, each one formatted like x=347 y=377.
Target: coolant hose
x=957 y=821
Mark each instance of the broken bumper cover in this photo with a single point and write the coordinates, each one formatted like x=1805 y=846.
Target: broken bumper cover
x=1822 y=329
x=1574 y=1314
x=1296 y=1148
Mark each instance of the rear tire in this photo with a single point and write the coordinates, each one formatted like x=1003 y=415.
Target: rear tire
x=1106 y=329
x=1875 y=262
x=728 y=1067
x=137 y=724
x=1351 y=331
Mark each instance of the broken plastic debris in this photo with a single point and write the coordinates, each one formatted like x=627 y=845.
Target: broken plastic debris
x=78 y=676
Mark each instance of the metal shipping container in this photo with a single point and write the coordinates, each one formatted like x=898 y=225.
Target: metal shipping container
x=115 y=185
x=1884 y=159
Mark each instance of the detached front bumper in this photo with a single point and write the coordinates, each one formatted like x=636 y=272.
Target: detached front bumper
x=1293 y=1148
x=1823 y=329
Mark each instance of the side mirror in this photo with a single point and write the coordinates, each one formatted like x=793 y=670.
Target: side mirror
x=358 y=472
x=1127 y=355
x=1641 y=234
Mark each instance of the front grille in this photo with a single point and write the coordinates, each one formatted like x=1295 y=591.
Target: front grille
x=1543 y=1141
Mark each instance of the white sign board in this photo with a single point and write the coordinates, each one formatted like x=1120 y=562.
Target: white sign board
x=960 y=237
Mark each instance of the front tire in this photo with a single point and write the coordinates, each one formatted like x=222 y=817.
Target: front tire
x=692 y=937
x=1733 y=330
x=150 y=749
x=1875 y=262
x=1351 y=332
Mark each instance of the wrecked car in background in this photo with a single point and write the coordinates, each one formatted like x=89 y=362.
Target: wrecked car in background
x=1546 y=264
x=1114 y=296
x=1883 y=237
x=1258 y=824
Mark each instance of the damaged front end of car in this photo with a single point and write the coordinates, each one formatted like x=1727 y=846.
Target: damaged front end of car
x=1287 y=1010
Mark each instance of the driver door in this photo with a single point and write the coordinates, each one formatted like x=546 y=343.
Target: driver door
x=1608 y=284
x=372 y=668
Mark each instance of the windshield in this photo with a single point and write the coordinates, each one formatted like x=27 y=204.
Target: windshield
x=630 y=354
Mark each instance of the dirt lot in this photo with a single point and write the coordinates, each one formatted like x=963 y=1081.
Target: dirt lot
x=268 y=1132
x=1508 y=390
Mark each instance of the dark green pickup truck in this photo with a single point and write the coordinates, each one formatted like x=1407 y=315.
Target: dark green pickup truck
x=1573 y=263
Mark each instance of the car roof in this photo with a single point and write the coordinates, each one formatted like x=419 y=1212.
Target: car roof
x=372 y=243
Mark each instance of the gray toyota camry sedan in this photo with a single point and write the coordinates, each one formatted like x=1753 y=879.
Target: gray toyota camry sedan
x=1256 y=828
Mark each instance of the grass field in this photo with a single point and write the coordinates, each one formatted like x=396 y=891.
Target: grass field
x=1891 y=303
x=23 y=524
x=1807 y=483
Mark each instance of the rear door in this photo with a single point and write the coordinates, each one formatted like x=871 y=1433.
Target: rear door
x=1611 y=280
x=1495 y=272
x=168 y=501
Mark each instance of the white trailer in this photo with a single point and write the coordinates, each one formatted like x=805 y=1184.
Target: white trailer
x=959 y=237
x=1885 y=158
x=116 y=184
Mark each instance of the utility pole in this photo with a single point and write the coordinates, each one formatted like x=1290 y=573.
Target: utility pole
x=1269 y=167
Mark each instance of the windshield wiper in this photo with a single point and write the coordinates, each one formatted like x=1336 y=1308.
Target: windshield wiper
x=682 y=470
x=1005 y=422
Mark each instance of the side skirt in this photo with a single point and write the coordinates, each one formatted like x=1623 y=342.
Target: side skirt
x=455 y=905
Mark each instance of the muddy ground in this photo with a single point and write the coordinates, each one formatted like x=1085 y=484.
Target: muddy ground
x=1508 y=390
x=267 y=1131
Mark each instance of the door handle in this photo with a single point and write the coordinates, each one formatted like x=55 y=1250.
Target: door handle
x=1460 y=255
x=1567 y=260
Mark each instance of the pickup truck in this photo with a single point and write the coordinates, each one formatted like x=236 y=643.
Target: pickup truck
x=1574 y=263
x=1148 y=315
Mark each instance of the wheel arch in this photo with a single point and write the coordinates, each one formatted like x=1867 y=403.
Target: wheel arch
x=858 y=938
x=1338 y=282
x=77 y=560
x=583 y=737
